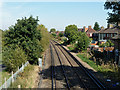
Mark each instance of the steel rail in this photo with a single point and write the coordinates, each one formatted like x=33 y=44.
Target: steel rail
x=68 y=86
x=53 y=69
x=73 y=67
x=95 y=80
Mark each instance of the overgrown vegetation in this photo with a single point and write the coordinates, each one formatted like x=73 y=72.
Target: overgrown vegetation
x=107 y=44
x=13 y=58
x=44 y=42
x=26 y=79
x=109 y=69
x=4 y=74
x=25 y=41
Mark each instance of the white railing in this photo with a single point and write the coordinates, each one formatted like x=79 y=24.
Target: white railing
x=14 y=76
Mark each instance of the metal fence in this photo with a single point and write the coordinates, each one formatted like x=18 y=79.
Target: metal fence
x=14 y=76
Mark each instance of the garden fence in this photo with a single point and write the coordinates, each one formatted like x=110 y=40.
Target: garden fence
x=14 y=76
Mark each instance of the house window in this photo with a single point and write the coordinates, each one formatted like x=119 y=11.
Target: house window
x=100 y=36
x=104 y=35
x=115 y=34
x=90 y=34
x=107 y=35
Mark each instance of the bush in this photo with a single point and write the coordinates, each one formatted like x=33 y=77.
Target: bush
x=13 y=58
x=61 y=34
x=83 y=42
x=54 y=35
x=107 y=44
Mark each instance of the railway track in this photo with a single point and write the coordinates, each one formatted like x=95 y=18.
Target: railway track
x=83 y=77
x=53 y=74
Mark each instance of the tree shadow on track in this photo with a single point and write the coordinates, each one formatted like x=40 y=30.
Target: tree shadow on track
x=70 y=73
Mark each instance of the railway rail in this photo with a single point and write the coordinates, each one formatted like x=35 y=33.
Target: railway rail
x=72 y=60
x=61 y=67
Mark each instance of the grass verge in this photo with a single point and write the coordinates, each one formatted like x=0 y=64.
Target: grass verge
x=3 y=75
x=70 y=48
x=27 y=79
x=109 y=70
x=89 y=62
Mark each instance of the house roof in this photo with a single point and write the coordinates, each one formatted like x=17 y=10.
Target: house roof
x=90 y=30
x=109 y=30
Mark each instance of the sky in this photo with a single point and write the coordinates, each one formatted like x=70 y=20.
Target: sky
x=56 y=15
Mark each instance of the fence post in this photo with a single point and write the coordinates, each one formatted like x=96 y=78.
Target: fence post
x=22 y=67
x=19 y=87
x=28 y=62
x=18 y=68
x=12 y=77
x=40 y=63
x=5 y=83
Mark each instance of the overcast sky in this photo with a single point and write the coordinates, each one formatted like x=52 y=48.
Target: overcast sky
x=54 y=14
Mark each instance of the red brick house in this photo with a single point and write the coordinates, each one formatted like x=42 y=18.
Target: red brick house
x=90 y=32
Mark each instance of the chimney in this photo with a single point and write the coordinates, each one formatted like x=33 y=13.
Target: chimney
x=110 y=25
x=89 y=27
x=85 y=29
x=102 y=28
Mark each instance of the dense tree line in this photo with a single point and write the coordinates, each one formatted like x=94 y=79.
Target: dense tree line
x=22 y=42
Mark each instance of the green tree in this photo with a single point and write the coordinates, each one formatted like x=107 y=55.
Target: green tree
x=61 y=34
x=96 y=26
x=54 y=35
x=70 y=28
x=52 y=30
x=13 y=58
x=71 y=33
x=72 y=36
x=83 y=42
x=44 y=42
x=113 y=5
x=25 y=35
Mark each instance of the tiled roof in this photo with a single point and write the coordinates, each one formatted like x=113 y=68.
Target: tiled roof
x=90 y=30
x=109 y=30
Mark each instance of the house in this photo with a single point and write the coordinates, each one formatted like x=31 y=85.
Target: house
x=90 y=32
x=106 y=34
